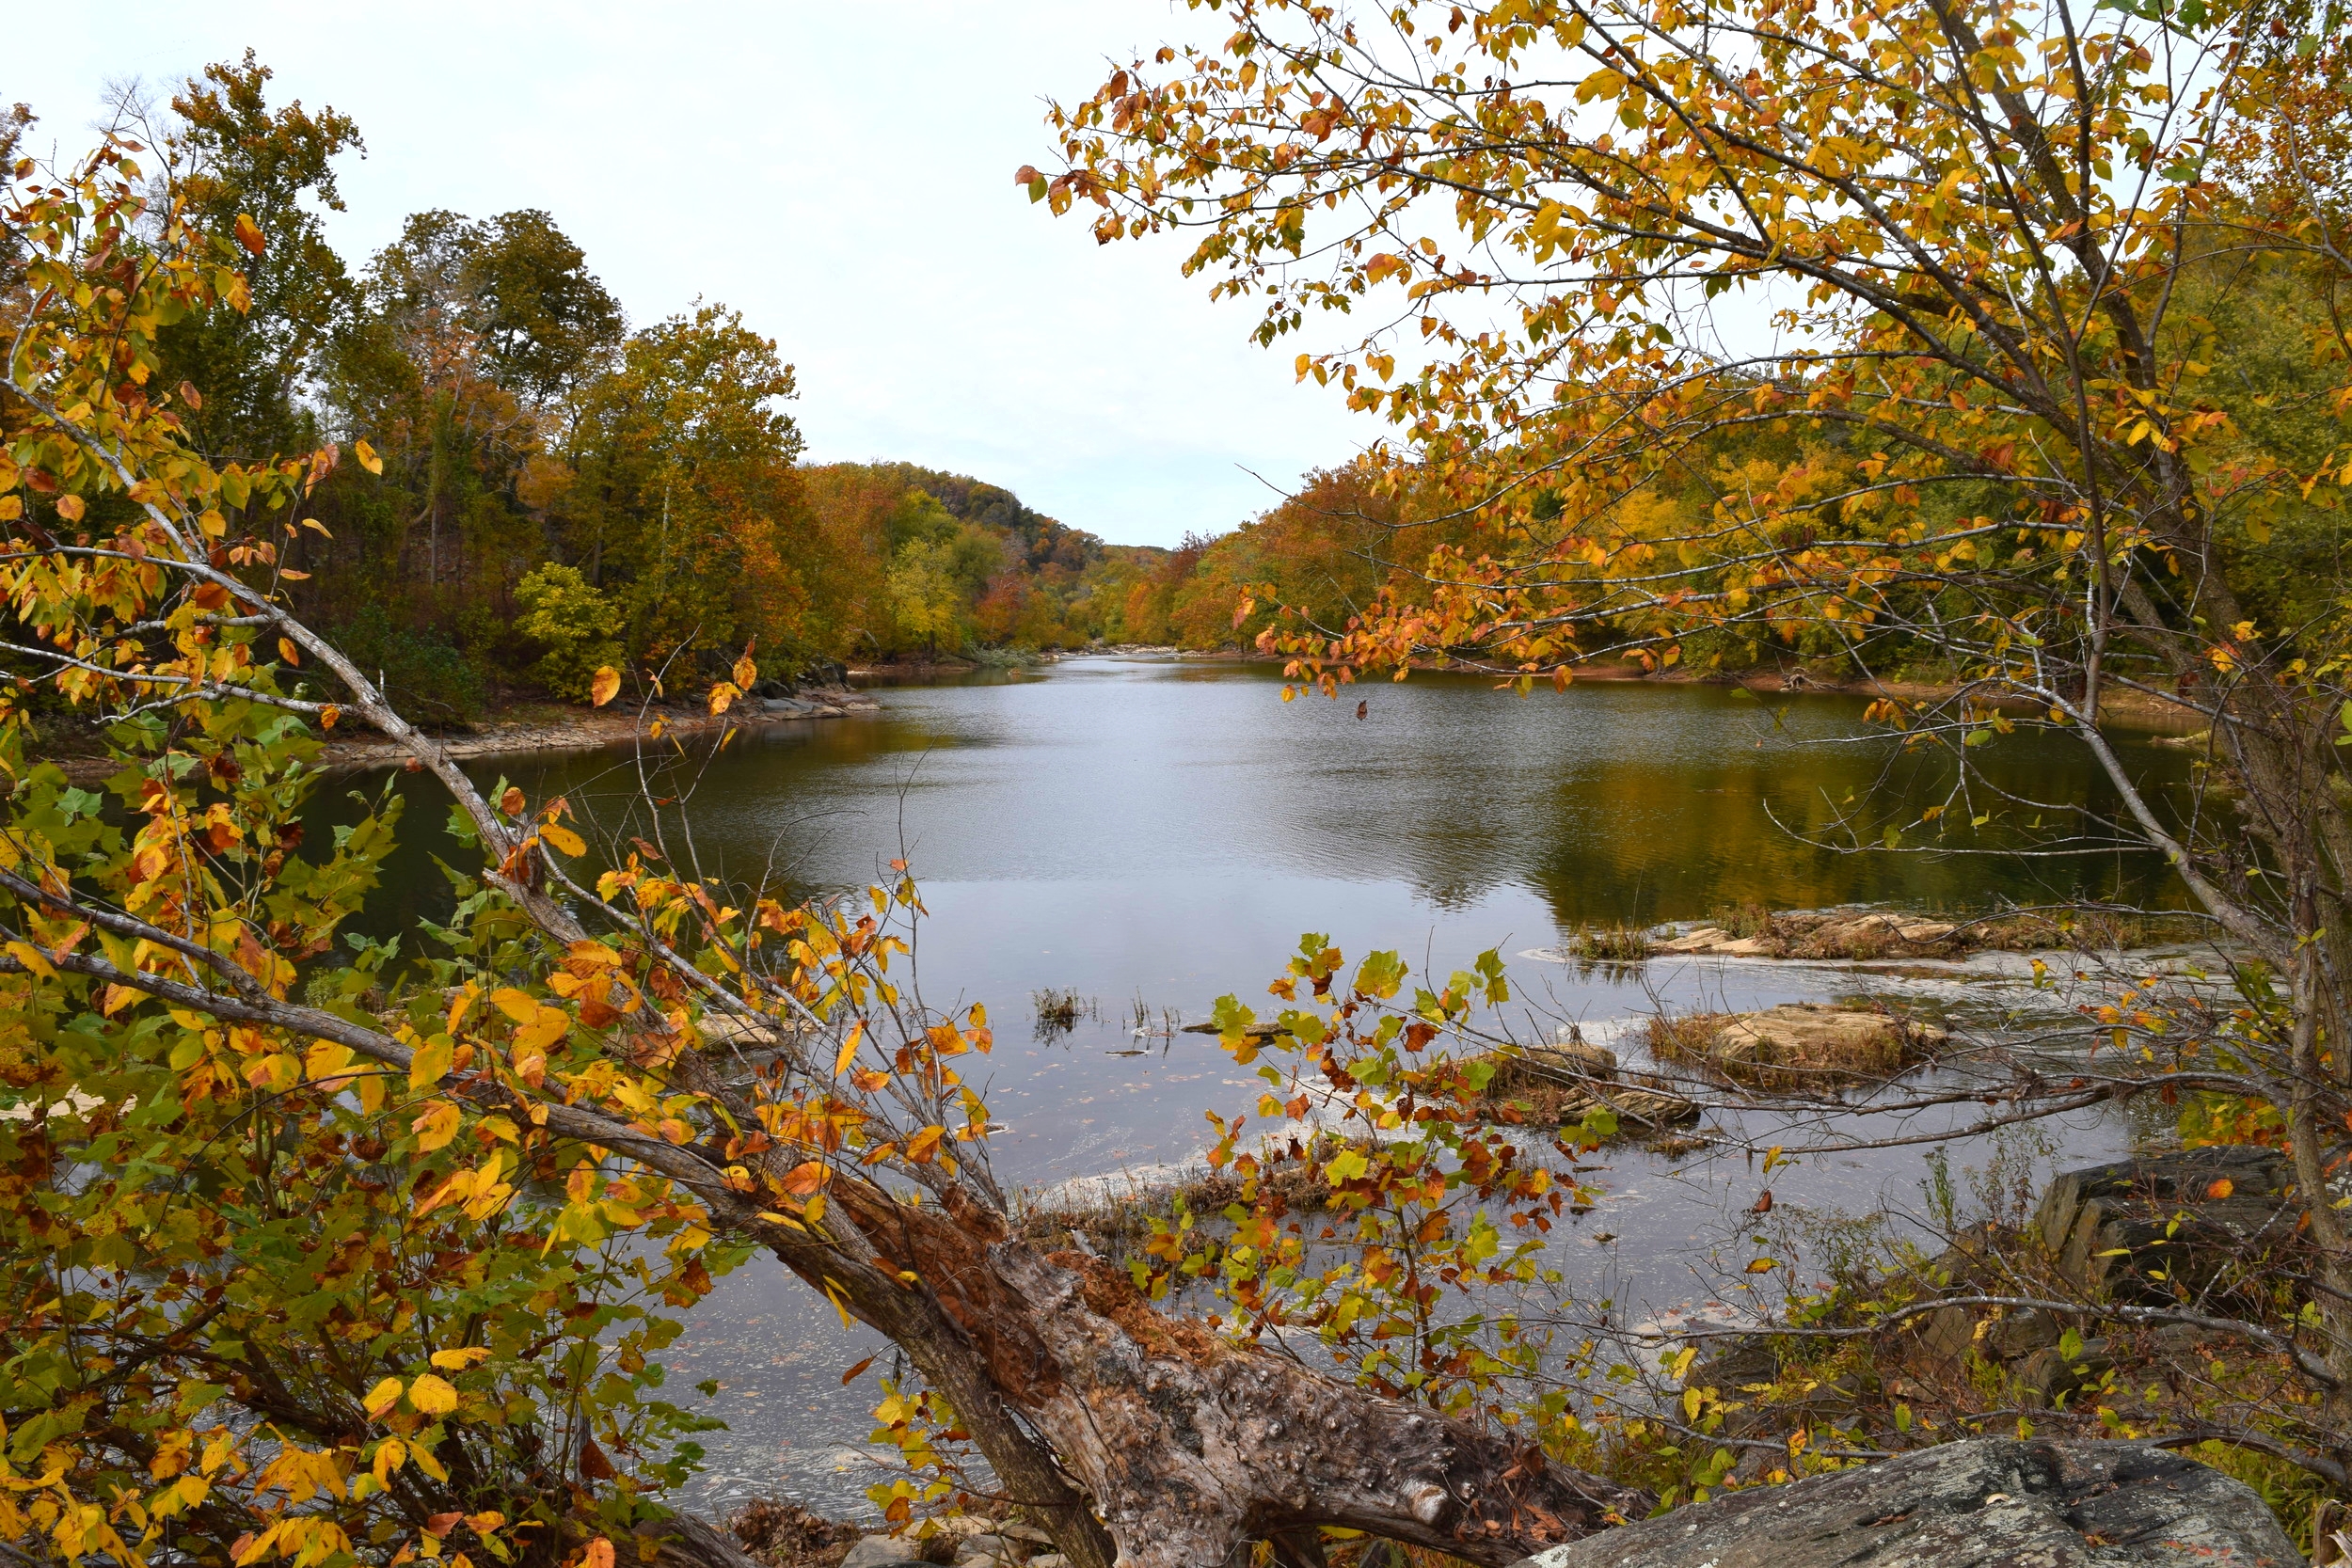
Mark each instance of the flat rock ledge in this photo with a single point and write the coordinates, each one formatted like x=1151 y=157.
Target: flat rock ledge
x=1993 y=1503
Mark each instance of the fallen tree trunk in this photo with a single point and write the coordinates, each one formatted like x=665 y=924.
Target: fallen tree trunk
x=1189 y=1446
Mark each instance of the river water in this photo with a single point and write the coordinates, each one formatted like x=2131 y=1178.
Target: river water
x=1150 y=834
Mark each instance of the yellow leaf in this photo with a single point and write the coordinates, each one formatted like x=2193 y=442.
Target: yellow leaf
x=562 y=839
x=722 y=696
x=518 y=1006
x=431 y=1063
x=605 y=687
x=435 y=1126
x=546 y=1027
x=745 y=672
x=324 y=1059
x=286 y=651
x=33 y=958
x=456 y=1360
x=1762 y=1265
x=383 y=1397
x=1603 y=83
x=69 y=508
x=849 y=1049
x=432 y=1395
x=367 y=459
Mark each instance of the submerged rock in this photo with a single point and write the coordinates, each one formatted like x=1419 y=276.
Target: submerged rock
x=1993 y=1503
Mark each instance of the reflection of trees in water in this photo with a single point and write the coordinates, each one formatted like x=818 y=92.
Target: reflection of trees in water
x=1636 y=840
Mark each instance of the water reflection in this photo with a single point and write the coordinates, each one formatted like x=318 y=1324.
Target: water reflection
x=1161 y=833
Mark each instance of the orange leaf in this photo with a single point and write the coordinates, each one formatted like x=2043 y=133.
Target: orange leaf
x=69 y=508
x=286 y=651
x=602 y=690
x=249 y=234
x=2222 y=1188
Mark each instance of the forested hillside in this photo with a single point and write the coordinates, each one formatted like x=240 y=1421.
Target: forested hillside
x=531 y=486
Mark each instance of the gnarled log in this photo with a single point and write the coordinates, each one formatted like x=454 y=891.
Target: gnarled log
x=1190 y=1446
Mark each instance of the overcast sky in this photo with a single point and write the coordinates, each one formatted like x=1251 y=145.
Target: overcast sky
x=842 y=173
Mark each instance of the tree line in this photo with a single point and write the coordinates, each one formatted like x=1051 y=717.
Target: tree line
x=531 y=487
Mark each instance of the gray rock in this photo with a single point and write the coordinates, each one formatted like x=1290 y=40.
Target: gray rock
x=1993 y=1503
x=1946 y=1332
x=2022 y=1333
x=992 y=1546
x=880 y=1551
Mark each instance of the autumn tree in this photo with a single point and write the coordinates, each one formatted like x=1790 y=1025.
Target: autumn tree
x=2008 y=337
x=260 y=174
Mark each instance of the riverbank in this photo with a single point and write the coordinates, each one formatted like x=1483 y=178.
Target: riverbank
x=544 y=726
x=2134 y=710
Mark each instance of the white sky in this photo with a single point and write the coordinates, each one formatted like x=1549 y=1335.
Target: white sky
x=842 y=173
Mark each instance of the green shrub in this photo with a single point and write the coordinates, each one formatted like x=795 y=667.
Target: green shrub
x=571 y=622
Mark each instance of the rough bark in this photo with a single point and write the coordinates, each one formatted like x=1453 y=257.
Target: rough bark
x=1189 y=1446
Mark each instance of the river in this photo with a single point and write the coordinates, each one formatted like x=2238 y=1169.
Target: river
x=1150 y=834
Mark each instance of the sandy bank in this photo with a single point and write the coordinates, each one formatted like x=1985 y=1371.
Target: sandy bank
x=553 y=727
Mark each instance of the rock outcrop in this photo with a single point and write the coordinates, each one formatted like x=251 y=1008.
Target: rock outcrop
x=2137 y=1230
x=1994 y=1503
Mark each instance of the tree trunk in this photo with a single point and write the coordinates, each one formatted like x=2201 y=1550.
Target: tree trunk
x=1190 y=1446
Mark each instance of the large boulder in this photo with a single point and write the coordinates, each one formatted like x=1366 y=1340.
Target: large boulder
x=1994 y=1503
